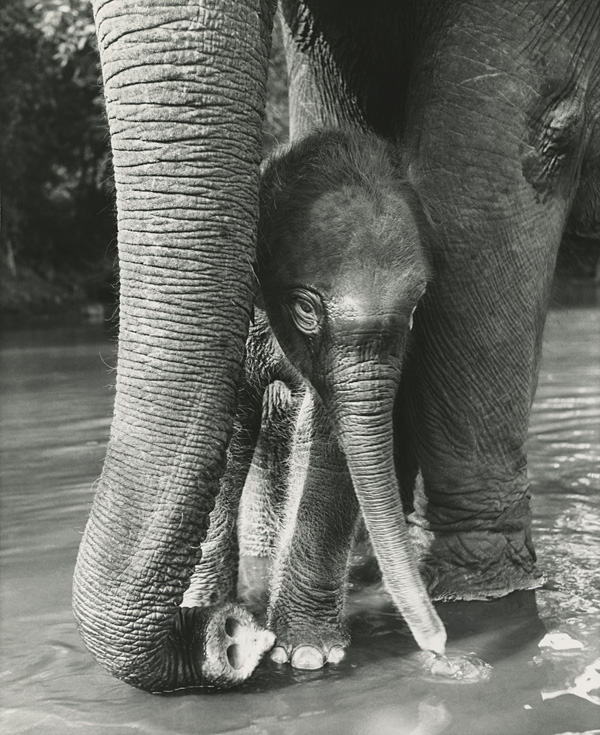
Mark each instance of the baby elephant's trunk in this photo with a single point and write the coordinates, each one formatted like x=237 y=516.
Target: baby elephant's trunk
x=363 y=413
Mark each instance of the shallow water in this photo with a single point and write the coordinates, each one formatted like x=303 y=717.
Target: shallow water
x=56 y=402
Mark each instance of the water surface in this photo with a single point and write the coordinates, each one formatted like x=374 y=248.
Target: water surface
x=57 y=393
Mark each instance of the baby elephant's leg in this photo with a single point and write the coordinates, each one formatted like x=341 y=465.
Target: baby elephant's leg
x=263 y=500
x=216 y=575
x=308 y=586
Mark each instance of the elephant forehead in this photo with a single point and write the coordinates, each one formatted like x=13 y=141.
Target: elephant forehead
x=355 y=222
x=371 y=293
x=350 y=236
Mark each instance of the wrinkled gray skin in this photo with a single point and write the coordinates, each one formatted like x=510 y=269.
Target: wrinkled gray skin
x=341 y=265
x=497 y=107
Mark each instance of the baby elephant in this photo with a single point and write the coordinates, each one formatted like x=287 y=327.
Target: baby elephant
x=342 y=264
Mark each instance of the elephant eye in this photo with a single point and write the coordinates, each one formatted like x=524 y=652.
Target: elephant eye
x=306 y=310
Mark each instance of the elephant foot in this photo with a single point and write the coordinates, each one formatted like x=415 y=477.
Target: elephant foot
x=309 y=649
x=234 y=645
x=308 y=657
x=475 y=565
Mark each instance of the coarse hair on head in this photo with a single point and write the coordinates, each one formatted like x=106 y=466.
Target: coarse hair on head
x=298 y=174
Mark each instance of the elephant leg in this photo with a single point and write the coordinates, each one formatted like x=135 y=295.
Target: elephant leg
x=307 y=597
x=499 y=198
x=318 y=96
x=255 y=461
x=264 y=493
x=215 y=577
x=468 y=431
x=263 y=498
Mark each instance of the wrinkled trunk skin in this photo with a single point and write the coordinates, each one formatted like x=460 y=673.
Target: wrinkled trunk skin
x=363 y=408
x=177 y=76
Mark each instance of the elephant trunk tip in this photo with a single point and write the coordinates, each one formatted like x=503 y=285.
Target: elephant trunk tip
x=433 y=640
x=424 y=622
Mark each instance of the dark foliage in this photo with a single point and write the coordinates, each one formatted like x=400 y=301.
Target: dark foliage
x=57 y=197
x=58 y=215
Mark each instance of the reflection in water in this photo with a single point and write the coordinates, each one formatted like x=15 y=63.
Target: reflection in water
x=56 y=402
x=430 y=718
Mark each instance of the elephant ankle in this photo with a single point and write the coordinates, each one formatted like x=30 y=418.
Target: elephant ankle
x=476 y=565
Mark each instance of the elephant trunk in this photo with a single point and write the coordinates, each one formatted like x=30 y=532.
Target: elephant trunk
x=363 y=407
x=176 y=76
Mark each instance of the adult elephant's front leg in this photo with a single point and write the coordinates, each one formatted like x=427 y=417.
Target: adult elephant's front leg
x=465 y=402
x=470 y=380
x=185 y=89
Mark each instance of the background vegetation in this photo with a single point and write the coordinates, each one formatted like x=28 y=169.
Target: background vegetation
x=57 y=212
x=58 y=233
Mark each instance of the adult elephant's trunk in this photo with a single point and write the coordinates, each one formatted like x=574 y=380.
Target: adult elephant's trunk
x=184 y=86
x=363 y=406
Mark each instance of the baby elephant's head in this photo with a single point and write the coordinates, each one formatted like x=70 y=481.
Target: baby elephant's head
x=341 y=258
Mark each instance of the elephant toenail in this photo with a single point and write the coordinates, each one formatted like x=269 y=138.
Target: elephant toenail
x=307 y=657
x=336 y=654
x=279 y=655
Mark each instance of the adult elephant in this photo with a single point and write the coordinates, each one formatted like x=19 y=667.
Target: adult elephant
x=495 y=108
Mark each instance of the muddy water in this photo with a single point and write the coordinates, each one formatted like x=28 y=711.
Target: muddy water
x=544 y=648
